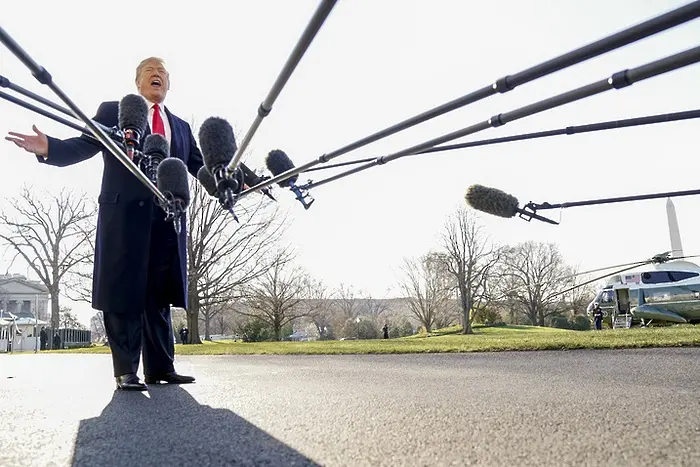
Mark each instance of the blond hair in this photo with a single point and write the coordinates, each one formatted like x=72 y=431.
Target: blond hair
x=143 y=63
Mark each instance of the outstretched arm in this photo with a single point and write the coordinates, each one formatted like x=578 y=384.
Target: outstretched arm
x=60 y=153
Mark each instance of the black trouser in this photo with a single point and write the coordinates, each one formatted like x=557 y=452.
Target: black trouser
x=150 y=329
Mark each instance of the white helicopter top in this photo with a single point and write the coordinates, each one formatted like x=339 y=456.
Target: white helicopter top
x=661 y=269
x=654 y=273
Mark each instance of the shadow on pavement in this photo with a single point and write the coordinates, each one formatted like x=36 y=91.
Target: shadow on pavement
x=167 y=426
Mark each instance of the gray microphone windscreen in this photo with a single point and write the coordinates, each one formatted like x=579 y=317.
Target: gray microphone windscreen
x=492 y=201
x=172 y=178
x=217 y=142
x=156 y=144
x=277 y=162
x=206 y=179
x=133 y=113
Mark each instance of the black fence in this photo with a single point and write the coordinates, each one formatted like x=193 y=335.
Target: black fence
x=67 y=338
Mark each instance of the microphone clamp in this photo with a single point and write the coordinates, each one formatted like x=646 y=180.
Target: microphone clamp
x=302 y=194
x=174 y=209
x=149 y=164
x=228 y=186
x=529 y=212
x=131 y=140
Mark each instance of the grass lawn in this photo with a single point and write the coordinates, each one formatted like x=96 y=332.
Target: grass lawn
x=484 y=339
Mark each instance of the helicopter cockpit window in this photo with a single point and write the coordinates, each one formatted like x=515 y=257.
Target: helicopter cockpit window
x=659 y=277
x=606 y=296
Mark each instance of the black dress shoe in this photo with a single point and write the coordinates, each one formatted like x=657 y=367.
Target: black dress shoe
x=170 y=378
x=130 y=382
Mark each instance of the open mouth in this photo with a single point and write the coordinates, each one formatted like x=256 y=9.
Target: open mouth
x=156 y=82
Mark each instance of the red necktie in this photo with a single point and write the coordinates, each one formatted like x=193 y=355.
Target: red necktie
x=157 y=126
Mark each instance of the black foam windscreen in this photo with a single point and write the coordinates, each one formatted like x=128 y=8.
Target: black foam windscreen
x=133 y=113
x=206 y=179
x=492 y=201
x=278 y=162
x=217 y=142
x=172 y=178
x=156 y=144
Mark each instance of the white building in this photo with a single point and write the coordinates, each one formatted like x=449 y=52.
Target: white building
x=24 y=298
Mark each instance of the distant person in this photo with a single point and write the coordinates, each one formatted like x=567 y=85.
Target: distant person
x=43 y=338
x=598 y=317
x=386 y=331
x=56 y=341
x=184 y=332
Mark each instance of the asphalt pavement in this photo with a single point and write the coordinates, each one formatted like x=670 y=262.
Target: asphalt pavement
x=554 y=408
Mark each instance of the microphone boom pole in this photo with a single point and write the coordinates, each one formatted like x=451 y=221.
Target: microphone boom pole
x=569 y=130
x=620 y=199
x=507 y=83
x=44 y=113
x=6 y=83
x=44 y=77
x=618 y=80
x=312 y=28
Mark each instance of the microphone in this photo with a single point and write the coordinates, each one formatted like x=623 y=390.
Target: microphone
x=218 y=145
x=499 y=203
x=155 y=149
x=133 y=120
x=172 y=182
x=278 y=162
x=206 y=179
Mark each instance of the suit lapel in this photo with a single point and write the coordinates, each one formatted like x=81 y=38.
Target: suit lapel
x=174 y=134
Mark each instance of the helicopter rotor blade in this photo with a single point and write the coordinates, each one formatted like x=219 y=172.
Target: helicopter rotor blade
x=658 y=258
x=590 y=281
x=636 y=263
x=685 y=257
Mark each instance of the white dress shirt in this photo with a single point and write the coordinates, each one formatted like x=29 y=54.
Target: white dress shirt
x=163 y=116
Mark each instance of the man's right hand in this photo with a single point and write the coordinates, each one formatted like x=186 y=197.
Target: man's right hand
x=37 y=144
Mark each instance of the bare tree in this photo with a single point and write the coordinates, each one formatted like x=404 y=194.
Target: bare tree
x=426 y=287
x=581 y=293
x=223 y=322
x=447 y=315
x=534 y=276
x=224 y=256
x=209 y=312
x=346 y=302
x=51 y=234
x=79 y=278
x=68 y=320
x=319 y=305
x=375 y=307
x=274 y=297
x=470 y=259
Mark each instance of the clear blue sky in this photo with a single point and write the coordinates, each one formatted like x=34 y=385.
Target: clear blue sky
x=371 y=65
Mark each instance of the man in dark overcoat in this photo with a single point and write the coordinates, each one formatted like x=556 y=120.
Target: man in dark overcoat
x=140 y=266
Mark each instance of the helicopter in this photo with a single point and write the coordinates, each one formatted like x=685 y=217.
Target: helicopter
x=662 y=289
